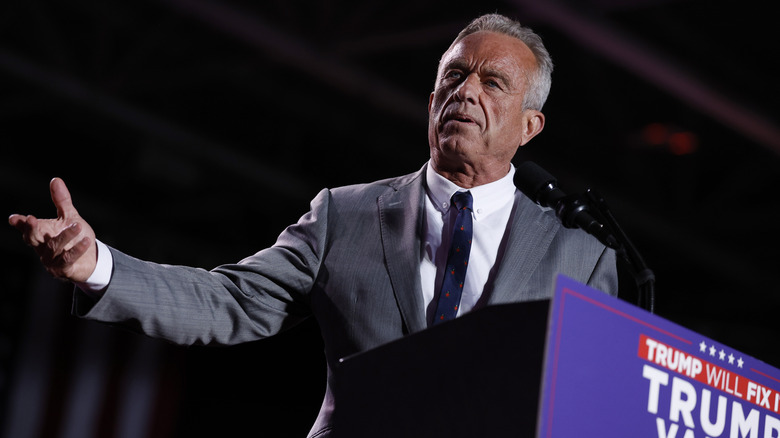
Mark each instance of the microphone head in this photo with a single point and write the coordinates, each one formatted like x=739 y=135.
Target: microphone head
x=535 y=182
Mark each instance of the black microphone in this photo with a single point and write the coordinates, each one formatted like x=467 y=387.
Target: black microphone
x=542 y=188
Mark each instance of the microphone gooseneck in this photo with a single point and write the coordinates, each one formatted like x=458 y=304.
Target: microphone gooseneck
x=543 y=189
x=590 y=213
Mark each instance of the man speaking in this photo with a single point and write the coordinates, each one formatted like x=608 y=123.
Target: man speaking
x=370 y=262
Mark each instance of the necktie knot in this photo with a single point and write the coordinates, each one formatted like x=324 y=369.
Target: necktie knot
x=463 y=200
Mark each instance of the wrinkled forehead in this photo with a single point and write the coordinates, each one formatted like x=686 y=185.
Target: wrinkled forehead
x=490 y=50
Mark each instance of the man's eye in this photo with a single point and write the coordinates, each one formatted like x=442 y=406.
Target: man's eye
x=491 y=84
x=454 y=75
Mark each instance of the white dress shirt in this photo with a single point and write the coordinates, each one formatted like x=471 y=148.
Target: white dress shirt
x=493 y=204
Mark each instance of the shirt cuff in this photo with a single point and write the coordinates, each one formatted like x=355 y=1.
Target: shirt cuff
x=101 y=276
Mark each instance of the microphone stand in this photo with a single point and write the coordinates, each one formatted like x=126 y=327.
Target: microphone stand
x=643 y=275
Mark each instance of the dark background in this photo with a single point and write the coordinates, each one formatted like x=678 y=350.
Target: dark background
x=193 y=132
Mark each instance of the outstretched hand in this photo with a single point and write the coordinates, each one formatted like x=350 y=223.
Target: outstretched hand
x=66 y=245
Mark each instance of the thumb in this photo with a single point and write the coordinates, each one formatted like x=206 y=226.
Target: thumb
x=61 y=198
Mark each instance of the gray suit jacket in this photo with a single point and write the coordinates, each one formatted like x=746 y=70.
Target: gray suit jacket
x=352 y=262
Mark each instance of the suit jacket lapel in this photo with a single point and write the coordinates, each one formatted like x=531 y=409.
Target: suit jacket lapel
x=400 y=219
x=530 y=233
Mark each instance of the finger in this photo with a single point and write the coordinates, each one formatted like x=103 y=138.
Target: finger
x=66 y=265
x=56 y=245
x=70 y=256
x=61 y=198
x=21 y=223
x=28 y=226
x=17 y=220
x=35 y=233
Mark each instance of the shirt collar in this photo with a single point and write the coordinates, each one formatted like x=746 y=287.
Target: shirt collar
x=487 y=197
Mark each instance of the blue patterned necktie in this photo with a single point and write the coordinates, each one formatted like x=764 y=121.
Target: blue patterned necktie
x=457 y=260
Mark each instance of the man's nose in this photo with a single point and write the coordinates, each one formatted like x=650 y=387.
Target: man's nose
x=469 y=89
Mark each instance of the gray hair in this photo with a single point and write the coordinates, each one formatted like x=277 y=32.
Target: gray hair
x=541 y=79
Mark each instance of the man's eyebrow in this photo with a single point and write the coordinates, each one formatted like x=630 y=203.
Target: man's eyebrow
x=498 y=74
x=460 y=64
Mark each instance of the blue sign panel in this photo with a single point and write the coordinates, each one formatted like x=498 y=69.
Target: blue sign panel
x=615 y=370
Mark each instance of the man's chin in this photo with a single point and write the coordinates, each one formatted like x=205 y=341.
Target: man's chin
x=453 y=154
x=459 y=146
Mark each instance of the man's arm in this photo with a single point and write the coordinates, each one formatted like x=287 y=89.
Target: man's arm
x=253 y=299
x=258 y=297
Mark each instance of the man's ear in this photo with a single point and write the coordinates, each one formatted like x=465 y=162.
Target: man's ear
x=533 y=123
x=430 y=102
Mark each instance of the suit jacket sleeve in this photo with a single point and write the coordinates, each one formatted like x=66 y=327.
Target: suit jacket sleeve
x=253 y=299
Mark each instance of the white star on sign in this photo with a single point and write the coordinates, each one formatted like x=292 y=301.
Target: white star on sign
x=722 y=355
x=731 y=359
x=740 y=362
x=712 y=350
x=703 y=347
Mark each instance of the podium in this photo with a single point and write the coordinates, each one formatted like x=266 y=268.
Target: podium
x=445 y=381
x=583 y=364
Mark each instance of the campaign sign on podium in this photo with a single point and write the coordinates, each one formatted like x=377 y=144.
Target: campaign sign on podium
x=614 y=370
